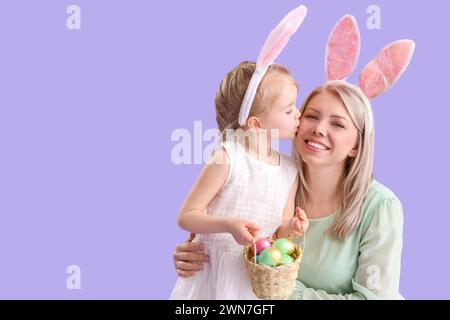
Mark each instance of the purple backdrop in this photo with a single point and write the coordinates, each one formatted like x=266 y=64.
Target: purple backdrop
x=86 y=176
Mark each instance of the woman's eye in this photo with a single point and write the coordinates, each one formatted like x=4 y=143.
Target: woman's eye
x=339 y=125
x=310 y=116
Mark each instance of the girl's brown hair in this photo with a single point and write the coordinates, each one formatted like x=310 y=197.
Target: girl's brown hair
x=232 y=89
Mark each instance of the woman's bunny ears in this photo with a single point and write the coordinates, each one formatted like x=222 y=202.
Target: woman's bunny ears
x=379 y=74
x=274 y=44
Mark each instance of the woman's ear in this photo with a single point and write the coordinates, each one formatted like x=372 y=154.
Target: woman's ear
x=353 y=153
x=254 y=123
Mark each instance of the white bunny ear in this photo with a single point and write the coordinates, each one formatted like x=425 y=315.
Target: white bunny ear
x=381 y=73
x=274 y=44
x=279 y=36
x=342 y=50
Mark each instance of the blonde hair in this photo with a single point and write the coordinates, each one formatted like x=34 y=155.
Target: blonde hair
x=357 y=174
x=232 y=90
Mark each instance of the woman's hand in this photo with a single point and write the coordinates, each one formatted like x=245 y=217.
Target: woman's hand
x=188 y=258
x=243 y=231
x=298 y=224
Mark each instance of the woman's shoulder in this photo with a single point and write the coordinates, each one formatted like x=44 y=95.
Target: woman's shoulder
x=380 y=200
x=378 y=192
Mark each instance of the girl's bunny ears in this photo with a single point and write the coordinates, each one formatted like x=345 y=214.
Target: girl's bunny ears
x=274 y=44
x=379 y=74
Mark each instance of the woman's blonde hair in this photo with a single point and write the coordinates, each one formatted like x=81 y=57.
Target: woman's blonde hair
x=357 y=175
x=232 y=89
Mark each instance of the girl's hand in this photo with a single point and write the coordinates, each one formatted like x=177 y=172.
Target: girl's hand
x=243 y=231
x=188 y=258
x=298 y=224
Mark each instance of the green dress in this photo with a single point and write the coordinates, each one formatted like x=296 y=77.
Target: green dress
x=364 y=266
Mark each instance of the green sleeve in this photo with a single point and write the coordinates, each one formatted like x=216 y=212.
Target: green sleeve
x=301 y=292
x=378 y=272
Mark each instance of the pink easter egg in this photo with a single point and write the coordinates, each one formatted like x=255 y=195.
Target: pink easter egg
x=261 y=244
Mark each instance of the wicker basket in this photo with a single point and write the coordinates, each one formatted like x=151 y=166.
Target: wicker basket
x=273 y=283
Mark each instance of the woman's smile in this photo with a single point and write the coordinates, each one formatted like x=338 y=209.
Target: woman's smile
x=315 y=146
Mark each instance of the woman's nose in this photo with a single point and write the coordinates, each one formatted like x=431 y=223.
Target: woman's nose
x=320 y=129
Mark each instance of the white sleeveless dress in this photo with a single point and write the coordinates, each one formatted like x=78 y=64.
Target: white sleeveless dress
x=254 y=191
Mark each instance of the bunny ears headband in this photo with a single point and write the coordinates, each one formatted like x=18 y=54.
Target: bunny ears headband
x=274 y=44
x=341 y=57
x=379 y=74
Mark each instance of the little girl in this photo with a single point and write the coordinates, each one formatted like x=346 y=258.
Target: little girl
x=247 y=189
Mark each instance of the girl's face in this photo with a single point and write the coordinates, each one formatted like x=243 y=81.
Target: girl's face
x=327 y=134
x=283 y=114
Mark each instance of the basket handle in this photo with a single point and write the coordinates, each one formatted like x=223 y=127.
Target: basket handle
x=254 y=249
x=302 y=241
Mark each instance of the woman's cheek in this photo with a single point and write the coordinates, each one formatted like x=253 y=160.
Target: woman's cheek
x=298 y=140
x=302 y=126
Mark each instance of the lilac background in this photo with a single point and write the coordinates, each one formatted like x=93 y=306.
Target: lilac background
x=86 y=117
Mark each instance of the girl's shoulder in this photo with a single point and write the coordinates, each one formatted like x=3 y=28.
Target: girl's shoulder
x=289 y=166
x=228 y=147
x=288 y=162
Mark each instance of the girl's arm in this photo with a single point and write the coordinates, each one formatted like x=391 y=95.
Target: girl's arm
x=192 y=215
x=295 y=222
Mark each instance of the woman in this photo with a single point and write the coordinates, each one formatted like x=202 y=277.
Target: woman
x=355 y=235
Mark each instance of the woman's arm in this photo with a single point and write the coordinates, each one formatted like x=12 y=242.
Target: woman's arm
x=192 y=215
x=188 y=258
x=378 y=272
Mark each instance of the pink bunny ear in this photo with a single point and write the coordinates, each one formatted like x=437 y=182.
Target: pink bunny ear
x=279 y=36
x=274 y=44
x=342 y=50
x=381 y=73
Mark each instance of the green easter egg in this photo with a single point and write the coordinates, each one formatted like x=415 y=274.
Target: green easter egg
x=286 y=245
x=271 y=256
x=285 y=259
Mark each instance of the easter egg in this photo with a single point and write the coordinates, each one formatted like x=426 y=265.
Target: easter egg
x=286 y=245
x=257 y=258
x=261 y=244
x=285 y=259
x=271 y=256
